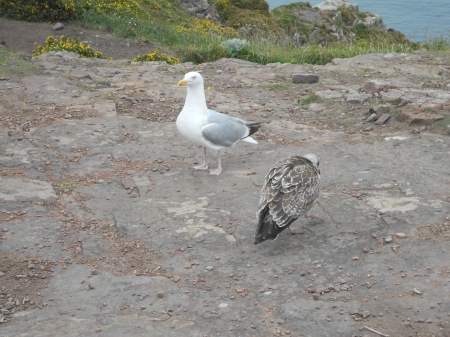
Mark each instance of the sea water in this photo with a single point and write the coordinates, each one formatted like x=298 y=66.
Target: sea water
x=417 y=19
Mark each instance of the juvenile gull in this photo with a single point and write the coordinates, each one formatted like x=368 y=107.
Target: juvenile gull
x=209 y=128
x=290 y=190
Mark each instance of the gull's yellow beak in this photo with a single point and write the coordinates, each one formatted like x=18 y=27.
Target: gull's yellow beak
x=182 y=82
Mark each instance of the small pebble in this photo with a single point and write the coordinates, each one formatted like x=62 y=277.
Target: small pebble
x=161 y=294
x=365 y=314
x=388 y=239
x=400 y=235
x=209 y=268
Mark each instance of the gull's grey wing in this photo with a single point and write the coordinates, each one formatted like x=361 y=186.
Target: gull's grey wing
x=223 y=130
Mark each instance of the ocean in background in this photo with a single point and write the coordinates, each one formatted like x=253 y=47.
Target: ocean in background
x=414 y=18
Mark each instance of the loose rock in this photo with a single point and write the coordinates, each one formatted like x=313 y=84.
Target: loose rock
x=372 y=118
x=58 y=26
x=309 y=79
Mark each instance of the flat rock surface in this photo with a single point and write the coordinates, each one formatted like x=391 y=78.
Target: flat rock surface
x=23 y=189
x=107 y=230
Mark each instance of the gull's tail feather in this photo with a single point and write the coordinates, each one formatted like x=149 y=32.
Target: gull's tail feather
x=253 y=127
x=267 y=228
x=249 y=140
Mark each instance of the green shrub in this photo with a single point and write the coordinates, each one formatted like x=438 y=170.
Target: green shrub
x=255 y=13
x=64 y=43
x=156 y=56
x=287 y=16
x=38 y=10
x=234 y=46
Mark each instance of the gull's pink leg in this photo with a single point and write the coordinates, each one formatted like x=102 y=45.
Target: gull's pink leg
x=204 y=166
x=216 y=172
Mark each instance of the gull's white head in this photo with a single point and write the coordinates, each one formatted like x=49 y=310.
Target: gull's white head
x=313 y=158
x=191 y=78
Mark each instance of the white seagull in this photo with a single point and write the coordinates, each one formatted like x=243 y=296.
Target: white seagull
x=290 y=190
x=209 y=128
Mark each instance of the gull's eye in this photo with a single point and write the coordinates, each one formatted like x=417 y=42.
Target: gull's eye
x=194 y=77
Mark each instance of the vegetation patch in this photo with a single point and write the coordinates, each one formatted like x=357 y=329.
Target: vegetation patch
x=156 y=56
x=250 y=16
x=64 y=43
x=308 y=100
x=443 y=126
x=15 y=65
x=278 y=86
x=289 y=17
x=269 y=35
x=38 y=10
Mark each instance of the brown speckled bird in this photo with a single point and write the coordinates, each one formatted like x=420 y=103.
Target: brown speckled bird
x=290 y=190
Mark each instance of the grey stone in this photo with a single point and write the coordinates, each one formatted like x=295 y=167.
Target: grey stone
x=328 y=94
x=383 y=119
x=395 y=97
x=357 y=98
x=375 y=21
x=373 y=86
x=44 y=231
x=379 y=109
x=365 y=314
x=201 y=9
x=309 y=79
x=388 y=239
x=372 y=118
x=335 y=4
x=23 y=189
x=9 y=305
x=58 y=26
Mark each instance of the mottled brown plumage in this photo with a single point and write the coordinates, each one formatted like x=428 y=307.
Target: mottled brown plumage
x=291 y=187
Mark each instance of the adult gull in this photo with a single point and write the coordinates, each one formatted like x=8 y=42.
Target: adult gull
x=290 y=189
x=209 y=128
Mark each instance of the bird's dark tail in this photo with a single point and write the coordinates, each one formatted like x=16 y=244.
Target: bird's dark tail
x=267 y=228
x=253 y=128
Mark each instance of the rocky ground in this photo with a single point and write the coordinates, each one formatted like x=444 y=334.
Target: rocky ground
x=107 y=230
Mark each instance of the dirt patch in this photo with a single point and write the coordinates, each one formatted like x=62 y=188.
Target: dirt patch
x=436 y=232
x=21 y=280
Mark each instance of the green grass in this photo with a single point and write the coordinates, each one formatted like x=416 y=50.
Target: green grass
x=442 y=125
x=278 y=86
x=376 y=101
x=308 y=100
x=16 y=65
x=69 y=185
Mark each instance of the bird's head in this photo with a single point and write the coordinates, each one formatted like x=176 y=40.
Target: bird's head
x=191 y=78
x=313 y=158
